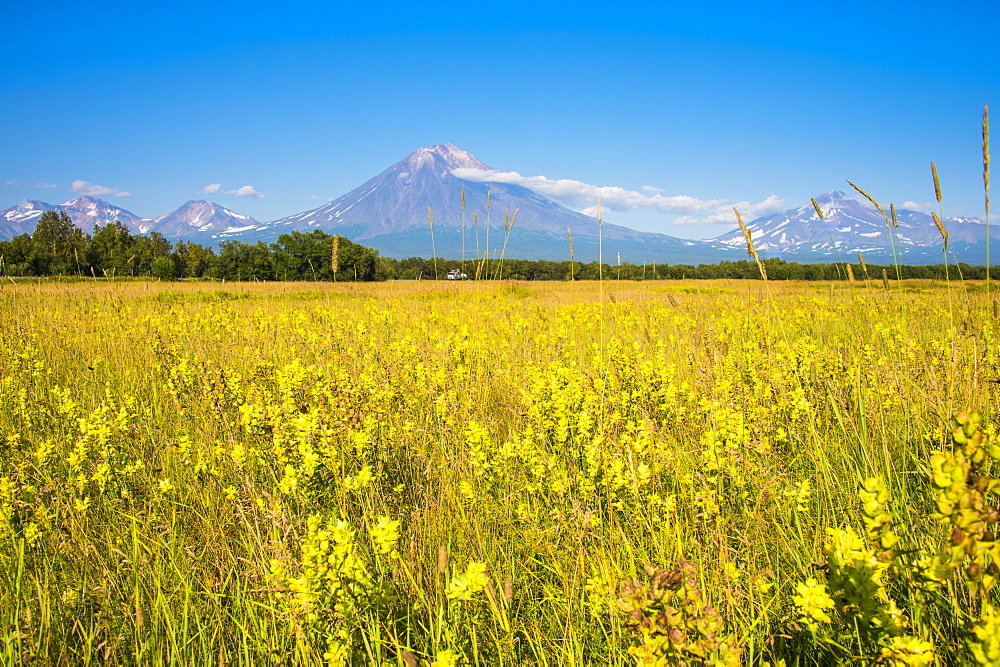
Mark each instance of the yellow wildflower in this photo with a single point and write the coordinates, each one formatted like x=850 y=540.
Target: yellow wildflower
x=470 y=582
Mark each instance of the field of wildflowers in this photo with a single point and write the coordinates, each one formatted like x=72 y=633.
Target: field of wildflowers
x=484 y=473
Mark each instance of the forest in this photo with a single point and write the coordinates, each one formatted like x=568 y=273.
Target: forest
x=60 y=248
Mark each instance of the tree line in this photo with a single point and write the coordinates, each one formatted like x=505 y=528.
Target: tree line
x=59 y=248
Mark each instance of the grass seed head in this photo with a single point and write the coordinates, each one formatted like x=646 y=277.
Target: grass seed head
x=442 y=559
x=746 y=233
x=871 y=199
x=937 y=183
x=986 y=155
x=751 y=251
x=940 y=226
x=819 y=211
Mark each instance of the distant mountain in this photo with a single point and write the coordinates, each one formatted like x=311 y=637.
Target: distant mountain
x=198 y=218
x=194 y=220
x=85 y=212
x=851 y=226
x=21 y=218
x=389 y=212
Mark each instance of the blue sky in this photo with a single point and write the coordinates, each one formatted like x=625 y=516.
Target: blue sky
x=283 y=105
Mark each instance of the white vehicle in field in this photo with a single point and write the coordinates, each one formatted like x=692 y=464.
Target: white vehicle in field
x=456 y=274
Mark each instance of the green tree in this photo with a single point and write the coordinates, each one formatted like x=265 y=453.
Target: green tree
x=147 y=250
x=308 y=256
x=164 y=268
x=111 y=251
x=16 y=256
x=304 y=256
x=194 y=261
x=57 y=245
x=243 y=261
x=357 y=262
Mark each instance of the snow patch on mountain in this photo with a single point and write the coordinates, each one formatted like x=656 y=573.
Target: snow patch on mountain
x=198 y=217
x=850 y=226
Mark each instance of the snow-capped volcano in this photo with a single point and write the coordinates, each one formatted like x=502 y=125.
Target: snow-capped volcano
x=197 y=217
x=85 y=212
x=396 y=201
x=449 y=155
x=191 y=221
x=390 y=212
x=852 y=226
x=21 y=218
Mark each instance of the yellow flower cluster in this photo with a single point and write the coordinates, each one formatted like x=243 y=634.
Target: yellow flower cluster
x=813 y=602
x=465 y=585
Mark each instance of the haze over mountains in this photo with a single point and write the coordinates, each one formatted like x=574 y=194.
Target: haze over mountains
x=390 y=212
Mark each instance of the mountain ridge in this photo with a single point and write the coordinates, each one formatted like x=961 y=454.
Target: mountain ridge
x=853 y=226
x=472 y=217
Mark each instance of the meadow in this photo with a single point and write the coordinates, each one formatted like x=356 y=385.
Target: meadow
x=404 y=473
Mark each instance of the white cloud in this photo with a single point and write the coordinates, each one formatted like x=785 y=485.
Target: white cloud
x=320 y=198
x=914 y=206
x=724 y=213
x=211 y=188
x=94 y=190
x=691 y=210
x=577 y=193
x=18 y=184
x=245 y=191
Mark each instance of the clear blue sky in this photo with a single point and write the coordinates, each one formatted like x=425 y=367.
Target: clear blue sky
x=735 y=102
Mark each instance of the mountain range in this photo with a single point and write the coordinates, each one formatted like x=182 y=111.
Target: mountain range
x=390 y=212
x=850 y=226
x=192 y=221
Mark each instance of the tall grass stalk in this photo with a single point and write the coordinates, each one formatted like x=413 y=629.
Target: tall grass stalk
x=569 y=237
x=508 y=226
x=463 y=230
x=890 y=226
x=938 y=221
x=486 y=255
x=751 y=251
x=986 y=186
x=430 y=222
x=836 y=216
x=600 y=271
x=836 y=247
x=867 y=274
x=475 y=223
